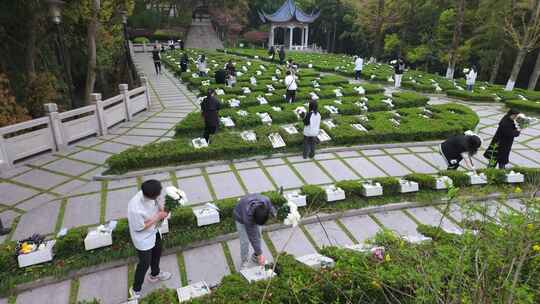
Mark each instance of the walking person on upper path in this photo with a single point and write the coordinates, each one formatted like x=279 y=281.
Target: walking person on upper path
x=312 y=127
x=156 y=56
x=471 y=78
x=184 y=61
x=358 y=66
x=461 y=147
x=291 y=87
x=399 y=69
x=281 y=55
x=251 y=212
x=210 y=108
x=145 y=215
x=499 y=149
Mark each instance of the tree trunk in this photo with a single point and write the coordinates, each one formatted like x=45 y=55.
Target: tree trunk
x=91 y=45
x=496 y=66
x=515 y=70
x=30 y=45
x=535 y=74
x=452 y=56
x=378 y=29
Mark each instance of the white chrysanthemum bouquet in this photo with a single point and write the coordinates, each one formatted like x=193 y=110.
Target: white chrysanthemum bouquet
x=289 y=214
x=174 y=198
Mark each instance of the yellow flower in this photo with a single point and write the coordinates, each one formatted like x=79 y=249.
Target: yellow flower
x=536 y=248
x=376 y=284
x=517 y=190
x=387 y=258
x=530 y=227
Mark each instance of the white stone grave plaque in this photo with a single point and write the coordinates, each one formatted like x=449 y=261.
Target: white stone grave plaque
x=316 y=261
x=276 y=140
x=406 y=186
x=296 y=198
x=43 y=254
x=372 y=189
x=257 y=273
x=192 y=291
x=334 y=193
x=514 y=177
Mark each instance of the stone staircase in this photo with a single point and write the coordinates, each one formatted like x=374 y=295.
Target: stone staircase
x=202 y=35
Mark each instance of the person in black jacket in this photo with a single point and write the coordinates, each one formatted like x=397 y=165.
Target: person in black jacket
x=157 y=59
x=399 y=69
x=281 y=55
x=499 y=149
x=459 y=147
x=220 y=76
x=184 y=61
x=272 y=53
x=210 y=107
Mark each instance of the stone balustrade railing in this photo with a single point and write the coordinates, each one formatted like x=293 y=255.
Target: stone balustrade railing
x=57 y=131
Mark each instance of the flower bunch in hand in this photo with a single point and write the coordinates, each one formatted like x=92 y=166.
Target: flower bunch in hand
x=174 y=198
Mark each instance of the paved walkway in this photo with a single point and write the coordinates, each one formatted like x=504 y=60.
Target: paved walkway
x=56 y=190
x=202 y=35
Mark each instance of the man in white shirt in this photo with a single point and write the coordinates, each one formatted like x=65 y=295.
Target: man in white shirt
x=358 y=66
x=291 y=86
x=144 y=217
x=471 y=78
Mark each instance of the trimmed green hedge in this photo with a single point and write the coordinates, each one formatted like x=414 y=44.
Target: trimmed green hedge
x=524 y=105
x=472 y=96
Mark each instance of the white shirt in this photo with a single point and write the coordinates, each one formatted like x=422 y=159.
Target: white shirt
x=471 y=77
x=141 y=209
x=314 y=125
x=358 y=64
x=290 y=83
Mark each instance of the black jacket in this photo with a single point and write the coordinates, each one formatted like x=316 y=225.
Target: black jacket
x=501 y=144
x=454 y=146
x=210 y=107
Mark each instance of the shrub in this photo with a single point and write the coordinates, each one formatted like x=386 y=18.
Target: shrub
x=315 y=194
x=471 y=96
x=350 y=187
x=72 y=242
x=423 y=180
x=495 y=176
x=141 y=40
x=459 y=178
x=390 y=185
x=523 y=105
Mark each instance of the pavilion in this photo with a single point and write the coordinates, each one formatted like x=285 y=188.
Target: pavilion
x=290 y=20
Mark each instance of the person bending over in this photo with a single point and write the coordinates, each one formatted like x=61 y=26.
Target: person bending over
x=460 y=147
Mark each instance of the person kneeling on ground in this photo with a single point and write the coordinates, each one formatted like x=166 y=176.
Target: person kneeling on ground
x=210 y=107
x=251 y=212
x=145 y=215
x=460 y=147
x=312 y=126
x=499 y=149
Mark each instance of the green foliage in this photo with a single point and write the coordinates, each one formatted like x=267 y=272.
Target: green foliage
x=391 y=45
x=141 y=40
x=350 y=187
x=70 y=243
x=390 y=185
x=459 y=178
x=315 y=195
x=423 y=180
x=523 y=105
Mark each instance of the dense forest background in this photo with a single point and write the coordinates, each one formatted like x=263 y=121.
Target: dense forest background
x=500 y=37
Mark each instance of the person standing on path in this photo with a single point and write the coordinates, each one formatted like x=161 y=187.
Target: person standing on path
x=157 y=59
x=471 y=78
x=499 y=149
x=399 y=69
x=210 y=108
x=358 y=66
x=184 y=61
x=201 y=66
x=251 y=212
x=272 y=53
x=460 y=147
x=145 y=215
x=291 y=85
x=282 y=55
x=312 y=127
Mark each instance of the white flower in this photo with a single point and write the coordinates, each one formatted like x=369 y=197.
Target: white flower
x=293 y=218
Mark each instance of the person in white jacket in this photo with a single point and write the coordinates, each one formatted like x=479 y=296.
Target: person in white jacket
x=471 y=78
x=291 y=87
x=358 y=66
x=312 y=127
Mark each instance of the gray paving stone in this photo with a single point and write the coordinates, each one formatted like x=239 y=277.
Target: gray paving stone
x=121 y=183
x=225 y=185
x=284 y=177
x=324 y=156
x=146 y=132
x=159 y=176
x=69 y=187
x=255 y=180
x=459 y=214
x=218 y=168
x=134 y=140
x=435 y=159
x=372 y=152
x=420 y=149
x=89 y=187
x=206 y=263
x=92 y=156
x=516 y=204
x=41 y=179
x=40 y=160
x=345 y=154
x=108 y=286
x=338 y=170
x=156 y=125
x=246 y=165
x=521 y=161
x=396 y=150
x=431 y=216
x=529 y=153
x=234 y=248
x=398 y=222
x=117 y=203
x=14 y=171
x=8 y=216
x=415 y=164
x=40 y=220
x=312 y=174
x=49 y=294
x=82 y=210
x=112 y=147
x=388 y=164
x=296 y=244
x=12 y=194
x=330 y=235
x=68 y=166
x=196 y=189
x=296 y=159
x=361 y=227
x=491 y=208
x=90 y=175
x=272 y=162
x=167 y=263
x=35 y=201
x=188 y=172
x=365 y=168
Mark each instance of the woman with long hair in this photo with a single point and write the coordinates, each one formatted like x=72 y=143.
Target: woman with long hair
x=210 y=108
x=461 y=147
x=499 y=149
x=312 y=126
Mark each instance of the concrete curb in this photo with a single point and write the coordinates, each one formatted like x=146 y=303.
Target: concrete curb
x=230 y=236
x=101 y=177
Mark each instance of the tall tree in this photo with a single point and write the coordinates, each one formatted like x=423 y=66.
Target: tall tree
x=92 y=29
x=456 y=39
x=533 y=80
x=525 y=36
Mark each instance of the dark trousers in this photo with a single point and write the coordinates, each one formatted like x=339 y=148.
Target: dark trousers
x=291 y=96
x=207 y=131
x=469 y=87
x=357 y=74
x=495 y=164
x=309 y=146
x=157 y=65
x=147 y=258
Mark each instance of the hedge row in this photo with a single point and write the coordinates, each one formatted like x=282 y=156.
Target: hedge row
x=448 y=119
